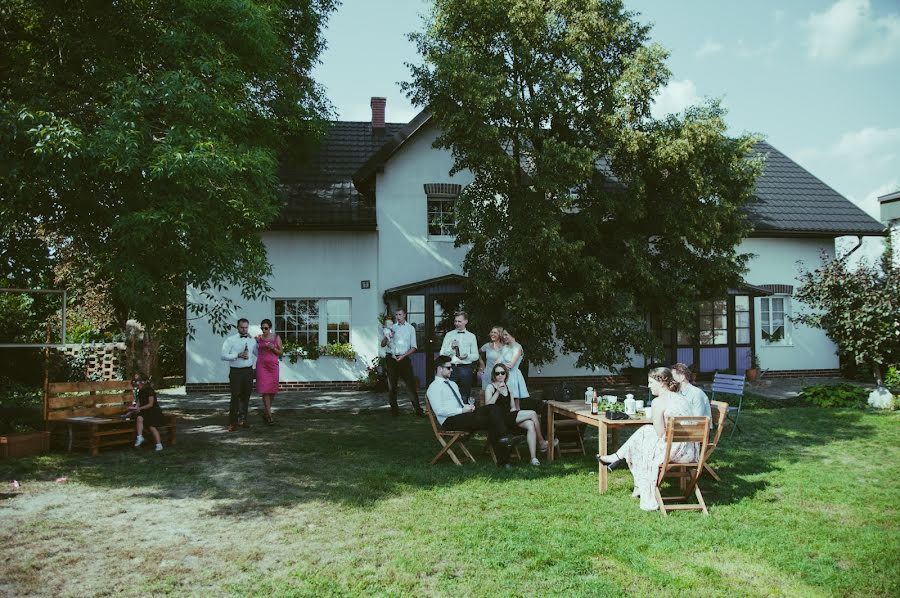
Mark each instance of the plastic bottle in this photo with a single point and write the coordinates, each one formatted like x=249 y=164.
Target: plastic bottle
x=588 y=394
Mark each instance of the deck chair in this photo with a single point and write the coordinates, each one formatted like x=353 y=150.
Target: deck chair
x=730 y=384
x=683 y=429
x=448 y=439
x=719 y=413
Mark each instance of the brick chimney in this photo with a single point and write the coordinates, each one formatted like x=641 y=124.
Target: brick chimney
x=378 y=105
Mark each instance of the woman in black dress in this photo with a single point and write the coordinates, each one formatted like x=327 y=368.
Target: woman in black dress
x=498 y=392
x=149 y=412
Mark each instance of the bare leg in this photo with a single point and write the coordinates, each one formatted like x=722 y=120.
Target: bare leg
x=529 y=427
x=267 y=404
x=529 y=415
x=140 y=425
x=155 y=433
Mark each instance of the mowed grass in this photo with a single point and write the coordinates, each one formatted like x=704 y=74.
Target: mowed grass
x=347 y=505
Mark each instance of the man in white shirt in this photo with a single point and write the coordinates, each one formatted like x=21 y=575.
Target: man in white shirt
x=455 y=414
x=696 y=397
x=400 y=345
x=240 y=352
x=462 y=348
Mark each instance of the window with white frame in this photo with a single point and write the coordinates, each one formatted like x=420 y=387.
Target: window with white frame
x=441 y=209
x=313 y=321
x=775 y=320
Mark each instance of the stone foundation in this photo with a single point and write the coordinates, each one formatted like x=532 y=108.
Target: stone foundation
x=324 y=385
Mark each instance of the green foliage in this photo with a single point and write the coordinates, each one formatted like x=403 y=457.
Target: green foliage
x=585 y=213
x=139 y=144
x=892 y=377
x=295 y=351
x=836 y=395
x=340 y=350
x=858 y=309
x=376 y=376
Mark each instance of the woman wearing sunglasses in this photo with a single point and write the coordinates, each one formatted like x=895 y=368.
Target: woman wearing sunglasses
x=500 y=393
x=268 y=367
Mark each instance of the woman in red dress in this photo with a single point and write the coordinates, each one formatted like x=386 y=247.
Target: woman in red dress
x=267 y=366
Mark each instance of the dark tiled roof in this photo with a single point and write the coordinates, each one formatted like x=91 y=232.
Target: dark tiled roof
x=793 y=201
x=321 y=194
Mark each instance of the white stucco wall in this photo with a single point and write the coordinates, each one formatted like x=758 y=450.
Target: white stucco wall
x=313 y=265
x=780 y=261
x=777 y=261
x=406 y=254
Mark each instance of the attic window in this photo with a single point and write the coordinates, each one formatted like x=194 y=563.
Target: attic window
x=441 y=208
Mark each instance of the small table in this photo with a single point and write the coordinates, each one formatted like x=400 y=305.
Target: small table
x=581 y=412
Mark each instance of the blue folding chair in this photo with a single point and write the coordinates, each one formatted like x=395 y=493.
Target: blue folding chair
x=730 y=384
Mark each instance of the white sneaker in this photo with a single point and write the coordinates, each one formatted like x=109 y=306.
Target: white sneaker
x=535 y=461
x=158 y=447
x=138 y=441
x=546 y=446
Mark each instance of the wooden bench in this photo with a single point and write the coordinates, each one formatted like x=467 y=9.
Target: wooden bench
x=90 y=415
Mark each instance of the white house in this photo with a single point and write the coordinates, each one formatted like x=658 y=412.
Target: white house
x=364 y=230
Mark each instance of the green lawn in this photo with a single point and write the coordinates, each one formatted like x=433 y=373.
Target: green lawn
x=348 y=505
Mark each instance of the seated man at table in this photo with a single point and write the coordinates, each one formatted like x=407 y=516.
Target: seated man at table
x=454 y=414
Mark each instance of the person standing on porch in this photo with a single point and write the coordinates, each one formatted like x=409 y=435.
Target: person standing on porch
x=461 y=347
x=401 y=343
x=240 y=352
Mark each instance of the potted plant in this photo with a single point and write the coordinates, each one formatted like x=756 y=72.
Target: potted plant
x=752 y=372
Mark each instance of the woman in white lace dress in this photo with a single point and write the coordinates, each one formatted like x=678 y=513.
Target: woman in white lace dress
x=644 y=451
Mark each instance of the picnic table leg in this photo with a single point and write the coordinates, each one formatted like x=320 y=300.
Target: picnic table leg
x=70 y=438
x=602 y=472
x=551 y=433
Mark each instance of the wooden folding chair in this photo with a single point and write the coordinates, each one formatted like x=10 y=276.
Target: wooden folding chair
x=448 y=439
x=571 y=435
x=683 y=429
x=719 y=413
x=730 y=384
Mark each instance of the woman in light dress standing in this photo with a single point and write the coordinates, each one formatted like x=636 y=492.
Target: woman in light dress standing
x=644 y=451
x=511 y=355
x=488 y=355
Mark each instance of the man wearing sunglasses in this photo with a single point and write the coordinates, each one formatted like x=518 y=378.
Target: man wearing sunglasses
x=453 y=413
x=461 y=347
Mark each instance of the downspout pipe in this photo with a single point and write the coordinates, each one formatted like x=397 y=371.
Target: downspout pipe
x=859 y=242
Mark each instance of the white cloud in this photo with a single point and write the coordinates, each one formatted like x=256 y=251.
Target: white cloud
x=870 y=145
x=675 y=97
x=850 y=31
x=764 y=51
x=709 y=47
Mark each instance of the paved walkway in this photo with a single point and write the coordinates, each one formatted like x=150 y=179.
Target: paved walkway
x=361 y=401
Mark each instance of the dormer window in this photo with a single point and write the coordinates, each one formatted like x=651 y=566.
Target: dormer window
x=441 y=213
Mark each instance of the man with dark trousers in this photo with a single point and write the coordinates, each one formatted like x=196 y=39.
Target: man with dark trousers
x=401 y=343
x=455 y=414
x=462 y=349
x=240 y=352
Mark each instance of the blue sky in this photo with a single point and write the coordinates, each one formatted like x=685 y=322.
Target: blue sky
x=820 y=80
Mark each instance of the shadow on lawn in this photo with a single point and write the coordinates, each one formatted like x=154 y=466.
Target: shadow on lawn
x=336 y=457
x=769 y=437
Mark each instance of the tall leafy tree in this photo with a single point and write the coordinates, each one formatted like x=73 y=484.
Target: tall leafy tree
x=586 y=214
x=858 y=308
x=139 y=143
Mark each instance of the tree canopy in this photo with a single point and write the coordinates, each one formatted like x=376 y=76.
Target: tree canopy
x=139 y=144
x=859 y=309
x=586 y=214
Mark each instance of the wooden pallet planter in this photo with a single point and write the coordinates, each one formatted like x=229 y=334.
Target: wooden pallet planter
x=24 y=445
x=90 y=415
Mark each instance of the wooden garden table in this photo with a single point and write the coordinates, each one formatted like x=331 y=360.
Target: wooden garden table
x=581 y=412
